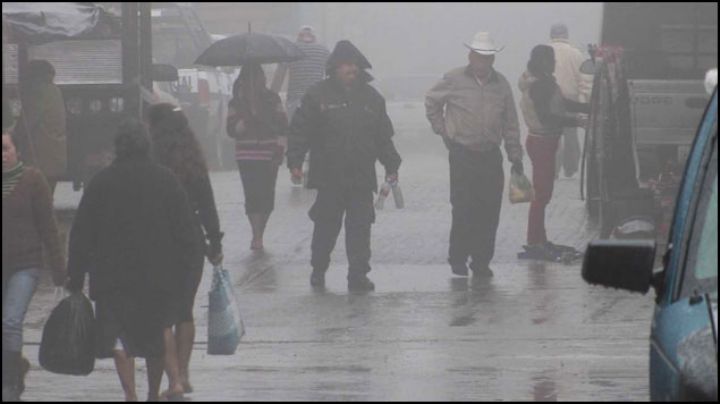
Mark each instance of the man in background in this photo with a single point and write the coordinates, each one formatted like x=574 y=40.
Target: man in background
x=574 y=86
x=302 y=73
x=41 y=125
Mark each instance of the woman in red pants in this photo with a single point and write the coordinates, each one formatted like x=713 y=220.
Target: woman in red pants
x=546 y=113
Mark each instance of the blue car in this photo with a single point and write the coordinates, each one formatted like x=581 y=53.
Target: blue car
x=683 y=339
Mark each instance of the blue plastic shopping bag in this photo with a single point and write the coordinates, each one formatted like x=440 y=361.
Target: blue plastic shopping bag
x=225 y=325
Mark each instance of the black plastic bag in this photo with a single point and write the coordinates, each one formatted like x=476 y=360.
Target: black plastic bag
x=68 y=339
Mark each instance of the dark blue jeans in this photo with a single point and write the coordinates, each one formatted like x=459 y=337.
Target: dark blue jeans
x=17 y=293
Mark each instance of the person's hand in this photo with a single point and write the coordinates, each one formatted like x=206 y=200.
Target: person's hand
x=296 y=175
x=517 y=168
x=216 y=260
x=391 y=178
x=213 y=250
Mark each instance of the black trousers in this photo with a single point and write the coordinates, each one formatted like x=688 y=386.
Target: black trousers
x=258 y=178
x=476 y=188
x=327 y=213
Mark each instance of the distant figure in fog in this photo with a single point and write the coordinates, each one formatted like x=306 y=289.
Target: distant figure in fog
x=545 y=110
x=135 y=236
x=473 y=110
x=258 y=123
x=175 y=147
x=343 y=122
x=28 y=228
x=41 y=127
x=305 y=72
x=575 y=87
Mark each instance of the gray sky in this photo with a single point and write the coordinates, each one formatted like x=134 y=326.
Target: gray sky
x=427 y=38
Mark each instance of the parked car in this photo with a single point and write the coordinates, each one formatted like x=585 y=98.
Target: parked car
x=683 y=338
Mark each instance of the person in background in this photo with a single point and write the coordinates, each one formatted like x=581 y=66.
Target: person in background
x=302 y=73
x=546 y=114
x=135 y=236
x=574 y=86
x=473 y=110
x=176 y=147
x=41 y=127
x=258 y=123
x=343 y=122
x=28 y=228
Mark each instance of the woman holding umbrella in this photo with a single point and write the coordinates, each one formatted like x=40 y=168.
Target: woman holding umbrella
x=258 y=123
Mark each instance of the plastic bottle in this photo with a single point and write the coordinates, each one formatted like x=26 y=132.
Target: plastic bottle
x=384 y=192
x=397 y=195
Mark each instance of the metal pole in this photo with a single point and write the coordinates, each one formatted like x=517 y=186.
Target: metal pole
x=145 y=53
x=130 y=58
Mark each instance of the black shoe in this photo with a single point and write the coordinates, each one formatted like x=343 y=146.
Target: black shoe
x=558 y=247
x=360 y=284
x=482 y=271
x=317 y=279
x=459 y=270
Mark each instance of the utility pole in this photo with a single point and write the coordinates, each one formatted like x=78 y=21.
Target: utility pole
x=131 y=58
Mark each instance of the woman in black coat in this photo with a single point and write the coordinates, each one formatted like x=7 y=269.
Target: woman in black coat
x=175 y=147
x=134 y=236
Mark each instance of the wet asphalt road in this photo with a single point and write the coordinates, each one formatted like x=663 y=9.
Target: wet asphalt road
x=535 y=331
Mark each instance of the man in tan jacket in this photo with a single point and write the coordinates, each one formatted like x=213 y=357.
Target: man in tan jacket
x=574 y=86
x=472 y=108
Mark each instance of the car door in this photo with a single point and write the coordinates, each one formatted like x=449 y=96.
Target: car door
x=682 y=308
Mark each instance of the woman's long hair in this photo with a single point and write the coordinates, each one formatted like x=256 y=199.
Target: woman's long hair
x=250 y=84
x=174 y=143
x=542 y=61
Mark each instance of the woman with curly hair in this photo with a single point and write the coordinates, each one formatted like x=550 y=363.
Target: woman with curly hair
x=175 y=147
x=258 y=123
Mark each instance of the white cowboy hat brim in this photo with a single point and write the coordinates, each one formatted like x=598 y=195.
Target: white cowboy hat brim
x=483 y=51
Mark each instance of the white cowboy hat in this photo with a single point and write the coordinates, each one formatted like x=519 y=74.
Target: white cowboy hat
x=483 y=44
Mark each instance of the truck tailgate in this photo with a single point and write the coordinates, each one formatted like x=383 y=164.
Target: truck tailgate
x=666 y=112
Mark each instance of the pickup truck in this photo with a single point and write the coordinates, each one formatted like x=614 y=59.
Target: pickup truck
x=648 y=95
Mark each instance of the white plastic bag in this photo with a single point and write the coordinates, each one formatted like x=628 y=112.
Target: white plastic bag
x=225 y=324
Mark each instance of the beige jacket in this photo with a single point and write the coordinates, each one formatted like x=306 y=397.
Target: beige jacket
x=474 y=115
x=573 y=84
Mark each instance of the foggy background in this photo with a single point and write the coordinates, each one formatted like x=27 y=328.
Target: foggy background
x=414 y=39
x=427 y=38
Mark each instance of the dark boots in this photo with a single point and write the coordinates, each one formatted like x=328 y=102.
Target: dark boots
x=10 y=376
x=317 y=279
x=360 y=283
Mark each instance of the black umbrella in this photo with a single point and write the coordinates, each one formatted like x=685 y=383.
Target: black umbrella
x=242 y=49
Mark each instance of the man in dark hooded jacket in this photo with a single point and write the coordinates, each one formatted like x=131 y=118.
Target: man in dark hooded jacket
x=342 y=121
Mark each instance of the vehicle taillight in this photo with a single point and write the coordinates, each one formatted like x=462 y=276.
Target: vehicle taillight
x=203 y=92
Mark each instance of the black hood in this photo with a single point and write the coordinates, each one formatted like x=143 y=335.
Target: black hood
x=345 y=51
